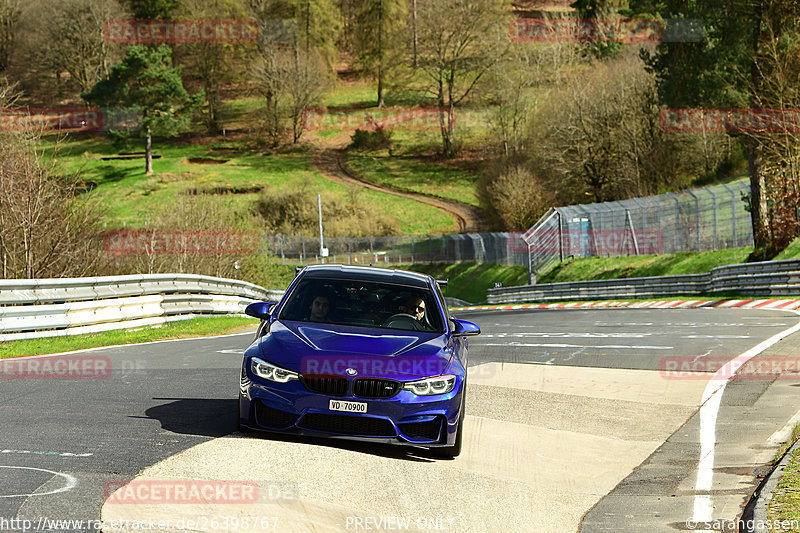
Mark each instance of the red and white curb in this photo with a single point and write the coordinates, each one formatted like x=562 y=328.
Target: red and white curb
x=659 y=304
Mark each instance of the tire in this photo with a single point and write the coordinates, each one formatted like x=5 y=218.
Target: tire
x=454 y=450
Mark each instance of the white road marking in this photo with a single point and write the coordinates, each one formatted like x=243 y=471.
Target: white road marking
x=783 y=434
x=71 y=483
x=712 y=397
x=251 y=333
x=61 y=454
x=587 y=335
x=609 y=346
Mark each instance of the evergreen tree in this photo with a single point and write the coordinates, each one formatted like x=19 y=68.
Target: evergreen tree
x=145 y=80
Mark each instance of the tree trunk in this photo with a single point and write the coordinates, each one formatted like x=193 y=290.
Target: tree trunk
x=414 y=24
x=380 y=53
x=758 y=198
x=444 y=124
x=148 y=153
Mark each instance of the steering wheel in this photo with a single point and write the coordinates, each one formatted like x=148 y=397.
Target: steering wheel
x=403 y=321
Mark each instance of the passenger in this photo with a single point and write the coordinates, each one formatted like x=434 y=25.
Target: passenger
x=318 y=309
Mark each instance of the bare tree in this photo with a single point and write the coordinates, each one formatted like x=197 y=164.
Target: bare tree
x=459 y=41
x=213 y=64
x=515 y=83
x=67 y=36
x=775 y=87
x=290 y=82
x=10 y=11
x=46 y=229
x=599 y=135
x=513 y=197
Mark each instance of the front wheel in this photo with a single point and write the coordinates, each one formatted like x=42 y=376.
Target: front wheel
x=455 y=449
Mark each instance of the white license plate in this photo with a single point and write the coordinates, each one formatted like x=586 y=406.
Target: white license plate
x=347 y=407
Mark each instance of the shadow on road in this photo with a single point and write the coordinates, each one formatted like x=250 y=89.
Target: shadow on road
x=193 y=416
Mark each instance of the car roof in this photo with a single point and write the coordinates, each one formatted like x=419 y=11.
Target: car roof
x=362 y=273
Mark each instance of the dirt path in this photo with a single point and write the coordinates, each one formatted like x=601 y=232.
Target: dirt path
x=329 y=162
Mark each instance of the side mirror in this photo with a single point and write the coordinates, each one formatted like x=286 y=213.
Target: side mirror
x=465 y=329
x=259 y=309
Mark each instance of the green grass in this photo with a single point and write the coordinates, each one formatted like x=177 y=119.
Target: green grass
x=416 y=175
x=196 y=327
x=790 y=252
x=128 y=195
x=785 y=502
x=644 y=266
x=469 y=281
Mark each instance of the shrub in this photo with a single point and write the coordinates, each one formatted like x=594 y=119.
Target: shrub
x=378 y=139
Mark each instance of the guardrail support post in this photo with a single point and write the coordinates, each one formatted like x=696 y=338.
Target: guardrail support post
x=412 y=249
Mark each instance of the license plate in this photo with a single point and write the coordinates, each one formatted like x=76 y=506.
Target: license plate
x=348 y=407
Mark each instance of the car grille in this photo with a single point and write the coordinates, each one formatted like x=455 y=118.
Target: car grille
x=325 y=385
x=350 y=425
x=422 y=430
x=375 y=388
x=271 y=417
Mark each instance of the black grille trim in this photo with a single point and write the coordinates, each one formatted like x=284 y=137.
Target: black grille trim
x=332 y=386
x=429 y=430
x=270 y=417
x=376 y=389
x=349 y=425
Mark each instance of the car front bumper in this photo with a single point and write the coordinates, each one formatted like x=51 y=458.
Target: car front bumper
x=405 y=418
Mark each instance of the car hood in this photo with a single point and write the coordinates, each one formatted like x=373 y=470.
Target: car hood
x=331 y=349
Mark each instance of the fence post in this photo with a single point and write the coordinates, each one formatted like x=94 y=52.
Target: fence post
x=733 y=213
x=430 y=249
x=283 y=257
x=677 y=222
x=696 y=220
x=530 y=259
x=560 y=240
x=714 y=207
x=629 y=222
x=303 y=257
x=446 y=251
x=371 y=252
x=412 y=249
x=349 y=252
x=394 y=259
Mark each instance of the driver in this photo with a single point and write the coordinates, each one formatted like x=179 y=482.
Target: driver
x=415 y=306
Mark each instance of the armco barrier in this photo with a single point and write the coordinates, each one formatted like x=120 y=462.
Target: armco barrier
x=769 y=278
x=72 y=306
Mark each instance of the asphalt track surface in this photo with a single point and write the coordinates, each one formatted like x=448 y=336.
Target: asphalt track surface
x=63 y=440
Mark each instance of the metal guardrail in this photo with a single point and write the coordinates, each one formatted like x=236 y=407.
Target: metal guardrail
x=769 y=278
x=73 y=306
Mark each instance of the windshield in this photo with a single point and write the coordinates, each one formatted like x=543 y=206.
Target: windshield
x=361 y=303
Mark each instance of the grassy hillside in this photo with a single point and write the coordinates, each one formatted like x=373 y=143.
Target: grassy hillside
x=654 y=265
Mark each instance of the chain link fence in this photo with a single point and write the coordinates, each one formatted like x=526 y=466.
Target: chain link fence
x=702 y=219
x=496 y=248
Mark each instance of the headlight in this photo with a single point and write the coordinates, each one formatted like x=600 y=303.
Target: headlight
x=431 y=386
x=270 y=372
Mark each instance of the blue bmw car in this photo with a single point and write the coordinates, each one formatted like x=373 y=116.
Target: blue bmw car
x=357 y=352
